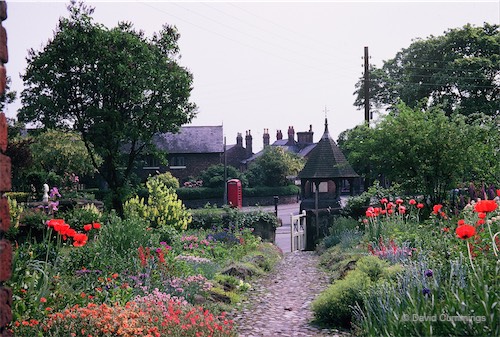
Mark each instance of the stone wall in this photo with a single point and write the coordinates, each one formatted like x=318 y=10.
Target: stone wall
x=5 y=185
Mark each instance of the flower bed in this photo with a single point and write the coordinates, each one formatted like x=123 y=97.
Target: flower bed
x=444 y=279
x=101 y=275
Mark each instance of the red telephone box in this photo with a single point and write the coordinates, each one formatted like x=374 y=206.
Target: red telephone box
x=234 y=193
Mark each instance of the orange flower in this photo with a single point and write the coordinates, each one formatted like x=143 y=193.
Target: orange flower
x=465 y=231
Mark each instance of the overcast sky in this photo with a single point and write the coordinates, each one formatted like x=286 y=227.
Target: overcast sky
x=264 y=64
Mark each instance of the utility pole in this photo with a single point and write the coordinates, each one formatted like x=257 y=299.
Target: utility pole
x=225 y=172
x=367 y=87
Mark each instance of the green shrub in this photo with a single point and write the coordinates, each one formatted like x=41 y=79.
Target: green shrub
x=163 y=210
x=211 y=217
x=18 y=196
x=78 y=217
x=334 y=306
x=167 y=179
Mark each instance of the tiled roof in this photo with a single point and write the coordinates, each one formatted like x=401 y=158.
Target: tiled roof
x=326 y=160
x=192 y=139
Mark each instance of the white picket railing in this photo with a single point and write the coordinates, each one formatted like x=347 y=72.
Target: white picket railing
x=298 y=231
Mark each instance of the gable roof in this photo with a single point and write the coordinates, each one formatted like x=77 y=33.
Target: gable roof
x=326 y=161
x=192 y=139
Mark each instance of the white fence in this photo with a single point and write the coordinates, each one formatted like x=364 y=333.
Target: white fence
x=298 y=231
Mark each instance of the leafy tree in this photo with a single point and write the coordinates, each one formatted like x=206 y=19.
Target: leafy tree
x=116 y=87
x=273 y=167
x=62 y=152
x=213 y=176
x=423 y=150
x=484 y=142
x=457 y=71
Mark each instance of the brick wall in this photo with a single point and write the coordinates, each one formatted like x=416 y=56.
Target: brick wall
x=5 y=185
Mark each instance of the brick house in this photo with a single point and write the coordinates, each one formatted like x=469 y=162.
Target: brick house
x=190 y=151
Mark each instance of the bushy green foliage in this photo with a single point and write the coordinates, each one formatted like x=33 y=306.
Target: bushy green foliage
x=163 y=210
x=209 y=217
x=273 y=167
x=335 y=305
x=200 y=193
x=81 y=216
x=167 y=179
x=356 y=205
x=213 y=176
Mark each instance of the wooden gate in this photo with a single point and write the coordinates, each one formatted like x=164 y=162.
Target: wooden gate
x=298 y=231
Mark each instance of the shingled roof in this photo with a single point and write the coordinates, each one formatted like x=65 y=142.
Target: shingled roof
x=192 y=139
x=327 y=161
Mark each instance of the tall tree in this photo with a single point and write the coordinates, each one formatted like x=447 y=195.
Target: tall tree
x=458 y=71
x=114 y=86
x=273 y=167
x=424 y=151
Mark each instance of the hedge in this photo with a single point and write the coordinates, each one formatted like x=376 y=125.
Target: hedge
x=208 y=193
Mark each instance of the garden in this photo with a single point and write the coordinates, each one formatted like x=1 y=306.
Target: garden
x=410 y=268
x=160 y=270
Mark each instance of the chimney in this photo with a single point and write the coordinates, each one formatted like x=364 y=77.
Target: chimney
x=291 y=135
x=248 y=142
x=279 y=135
x=239 y=139
x=266 y=137
x=305 y=137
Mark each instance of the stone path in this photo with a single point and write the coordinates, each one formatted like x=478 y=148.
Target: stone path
x=279 y=304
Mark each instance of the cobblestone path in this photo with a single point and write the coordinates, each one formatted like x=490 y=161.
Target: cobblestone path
x=279 y=304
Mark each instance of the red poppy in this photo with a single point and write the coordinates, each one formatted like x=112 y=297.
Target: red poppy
x=465 y=231
x=498 y=193
x=437 y=208
x=399 y=201
x=87 y=227
x=481 y=215
x=70 y=232
x=402 y=209
x=53 y=222
x=384 y=201
x=79 y=240
x=485 y=206
x=96 y=225
x=461 y=222
x=420 y=205
x=61 y=228
x=389 y=205
x=445 y=229
x=412 y=202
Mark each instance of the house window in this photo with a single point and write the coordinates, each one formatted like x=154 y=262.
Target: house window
x=177 y=163
x=152 y=163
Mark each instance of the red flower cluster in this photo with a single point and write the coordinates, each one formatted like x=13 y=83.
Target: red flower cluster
x=89 y=226
x=485 y=206
x=65 y=230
